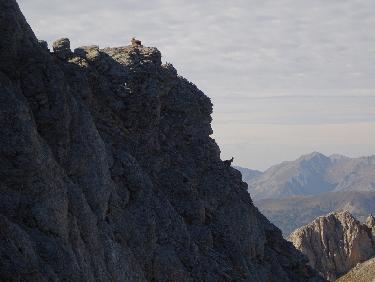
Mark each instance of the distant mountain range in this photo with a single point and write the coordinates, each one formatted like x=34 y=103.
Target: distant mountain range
x=248 y=174
x=312 y=174
x=293 y=193
x=293 y=212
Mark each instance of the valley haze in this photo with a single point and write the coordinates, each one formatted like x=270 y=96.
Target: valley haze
x=293 y=193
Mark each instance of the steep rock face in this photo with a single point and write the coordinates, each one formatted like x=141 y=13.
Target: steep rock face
x=108 y=173
x=335 y=243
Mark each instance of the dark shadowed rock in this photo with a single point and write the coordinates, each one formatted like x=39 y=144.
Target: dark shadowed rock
x=61 y=48
x=43 y=44
x=108 y=173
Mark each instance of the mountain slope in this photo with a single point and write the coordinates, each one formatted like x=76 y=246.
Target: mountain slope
x=336 y=243
x=363 y=272
x=305 y=176
x=108 y=173
x=290 y=213
x=314 y=174
x=353 y=174
x=248 y=174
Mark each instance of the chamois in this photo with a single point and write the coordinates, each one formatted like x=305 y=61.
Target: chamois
x=136 y=42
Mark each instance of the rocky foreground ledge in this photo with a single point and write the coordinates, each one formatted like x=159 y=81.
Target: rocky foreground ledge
x=108 y=172
x=362 y=272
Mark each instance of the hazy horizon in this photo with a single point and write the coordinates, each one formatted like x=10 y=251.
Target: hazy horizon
x=286 y=77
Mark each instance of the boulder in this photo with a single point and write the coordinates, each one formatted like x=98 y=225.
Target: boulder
x=61 y=48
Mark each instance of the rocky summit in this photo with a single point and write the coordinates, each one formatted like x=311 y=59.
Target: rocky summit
x=108 y=172
x=336 y=243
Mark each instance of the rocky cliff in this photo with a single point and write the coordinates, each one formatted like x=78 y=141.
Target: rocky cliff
x=336 y=243
x=108 y=172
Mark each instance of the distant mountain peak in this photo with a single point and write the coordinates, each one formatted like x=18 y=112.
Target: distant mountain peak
x=313 y=156
x=313 y=174
x=338 y=157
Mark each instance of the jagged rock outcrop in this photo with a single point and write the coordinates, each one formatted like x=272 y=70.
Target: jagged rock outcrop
x=362 y=272
x=108 y=173
x=335 y=243
x=61 y=48
x=370 y=222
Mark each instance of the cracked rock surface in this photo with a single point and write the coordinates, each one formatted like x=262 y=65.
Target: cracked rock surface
x=362 y=272
x=336 y=243
x=108 y=172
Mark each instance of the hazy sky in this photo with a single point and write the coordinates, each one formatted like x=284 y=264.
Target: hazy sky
x=286 y=77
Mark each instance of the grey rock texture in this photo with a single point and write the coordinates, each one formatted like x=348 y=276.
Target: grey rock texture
x=362 y=272
x=43 y=44
x=61 y=48
x=108 y=173
x=335 y=243
x=313 y=174
x=370 y=222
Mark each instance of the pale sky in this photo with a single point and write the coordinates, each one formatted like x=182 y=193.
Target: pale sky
x=286 y=77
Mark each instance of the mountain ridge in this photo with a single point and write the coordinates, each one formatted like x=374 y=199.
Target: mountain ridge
x=290 y=213
x=312 y=174
x=108 y=172
x=293 y=193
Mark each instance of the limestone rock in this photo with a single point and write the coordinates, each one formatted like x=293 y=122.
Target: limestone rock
x=335 y=243
x=61 y=48
x=108 y=173
x=362 y=272
x=87 y=51
x=370 y=222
